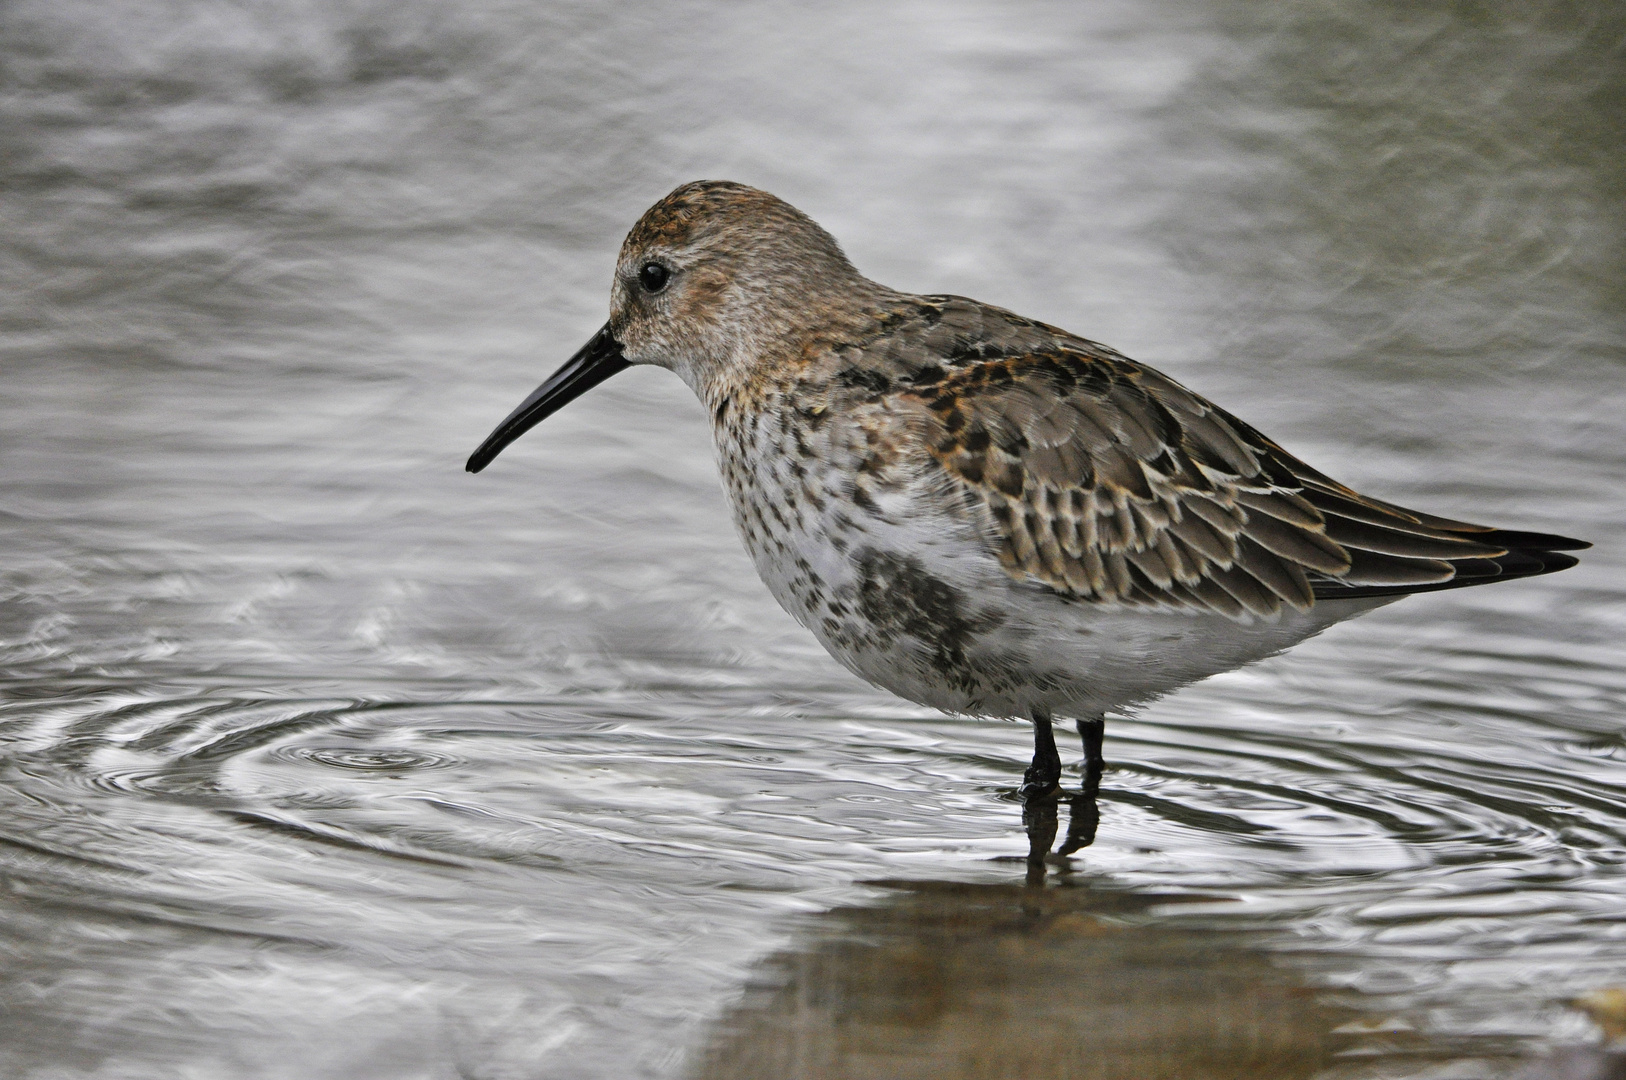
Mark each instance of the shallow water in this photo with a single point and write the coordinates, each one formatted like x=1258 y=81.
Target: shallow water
x=319 y=757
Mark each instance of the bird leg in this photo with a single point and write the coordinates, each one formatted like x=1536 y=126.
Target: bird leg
x=1084 y=813
x=1040 y=786
x=1044 y=774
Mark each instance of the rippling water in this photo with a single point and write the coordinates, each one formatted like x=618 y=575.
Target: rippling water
x=319 y=757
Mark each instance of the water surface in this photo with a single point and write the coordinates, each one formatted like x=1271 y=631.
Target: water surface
x=319 y=757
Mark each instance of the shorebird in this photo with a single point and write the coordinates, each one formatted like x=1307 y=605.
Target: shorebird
x=983 y=513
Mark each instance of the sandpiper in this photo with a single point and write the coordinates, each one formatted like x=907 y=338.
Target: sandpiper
x=983 y=513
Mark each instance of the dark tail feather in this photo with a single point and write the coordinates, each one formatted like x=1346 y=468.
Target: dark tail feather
x=1518 y=563
x=1514 y=540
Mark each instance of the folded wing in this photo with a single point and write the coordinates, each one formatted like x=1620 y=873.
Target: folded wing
x=1109 y=482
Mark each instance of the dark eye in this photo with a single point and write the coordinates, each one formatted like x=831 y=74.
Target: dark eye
x=653 y=277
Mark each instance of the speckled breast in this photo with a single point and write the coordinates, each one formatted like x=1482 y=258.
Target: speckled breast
x=853 y=537
x=846 y=533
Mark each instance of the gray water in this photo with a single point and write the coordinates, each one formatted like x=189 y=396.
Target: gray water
x=320 y=758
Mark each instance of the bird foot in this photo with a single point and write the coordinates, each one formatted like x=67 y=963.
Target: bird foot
x=1041 y=781
x=1036 y=789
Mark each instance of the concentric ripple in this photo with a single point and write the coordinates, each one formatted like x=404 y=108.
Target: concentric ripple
x=367 y=759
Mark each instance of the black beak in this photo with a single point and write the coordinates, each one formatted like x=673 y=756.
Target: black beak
x=598 y=360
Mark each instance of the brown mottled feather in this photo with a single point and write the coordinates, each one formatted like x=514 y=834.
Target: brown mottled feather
x=1109 y=482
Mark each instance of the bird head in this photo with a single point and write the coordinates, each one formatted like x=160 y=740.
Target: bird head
x=715 y=282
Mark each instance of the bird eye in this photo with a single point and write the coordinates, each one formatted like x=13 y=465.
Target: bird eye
x=653 y=277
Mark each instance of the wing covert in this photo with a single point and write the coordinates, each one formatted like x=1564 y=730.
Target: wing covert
x=1109 y=482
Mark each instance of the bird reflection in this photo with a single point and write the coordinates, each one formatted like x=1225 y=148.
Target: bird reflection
x=958 y=980
x=1040 y=818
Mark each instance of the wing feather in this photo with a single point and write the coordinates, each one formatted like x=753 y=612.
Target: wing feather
x=1108 y=482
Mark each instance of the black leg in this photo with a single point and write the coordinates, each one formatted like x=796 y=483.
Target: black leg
x=1090 y=733
x=1044 y=774
x=1040 y=786
x=1084 y=813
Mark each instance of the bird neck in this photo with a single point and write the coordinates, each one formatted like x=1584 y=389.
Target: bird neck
x=778 y=345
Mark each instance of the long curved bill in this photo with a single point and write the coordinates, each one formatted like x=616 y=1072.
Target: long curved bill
x=596 y=361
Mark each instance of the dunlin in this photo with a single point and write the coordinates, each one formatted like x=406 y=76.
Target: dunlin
x=983 y=513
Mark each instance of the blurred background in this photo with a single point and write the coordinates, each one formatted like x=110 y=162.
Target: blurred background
x=321 y=758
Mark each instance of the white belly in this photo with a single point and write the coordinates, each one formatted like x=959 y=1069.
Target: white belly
x=908 y=595
x=909 y=598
